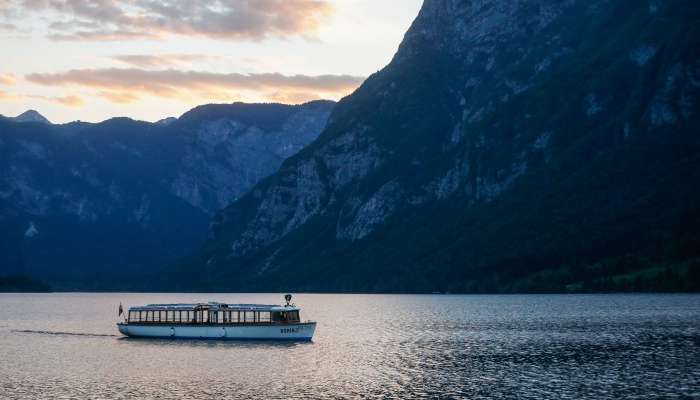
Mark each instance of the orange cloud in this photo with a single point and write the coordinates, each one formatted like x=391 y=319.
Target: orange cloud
x=291 y=97
x=70 y=101
x=7 y=79
x=161 y=60
x=5 y=96
x=125 y=85
x=153 y=19
x=119 y=97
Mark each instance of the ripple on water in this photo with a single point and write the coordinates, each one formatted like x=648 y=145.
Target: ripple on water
x=531 y=347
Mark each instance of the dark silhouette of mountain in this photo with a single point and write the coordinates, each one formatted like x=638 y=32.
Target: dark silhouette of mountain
x=30 y=116
x=22 y=284
x=87 y=206
x=166 y=121
x=509 y=146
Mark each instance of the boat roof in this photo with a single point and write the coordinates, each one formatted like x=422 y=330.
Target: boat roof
x=214 y=306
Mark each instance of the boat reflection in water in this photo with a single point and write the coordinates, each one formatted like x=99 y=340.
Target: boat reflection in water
x=218 y=321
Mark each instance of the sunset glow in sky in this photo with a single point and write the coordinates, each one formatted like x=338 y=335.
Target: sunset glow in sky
x=150 y=59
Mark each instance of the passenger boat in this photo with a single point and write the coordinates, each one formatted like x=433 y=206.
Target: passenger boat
x=217 y=321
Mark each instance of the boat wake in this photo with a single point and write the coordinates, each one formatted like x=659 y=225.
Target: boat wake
x=64 y=333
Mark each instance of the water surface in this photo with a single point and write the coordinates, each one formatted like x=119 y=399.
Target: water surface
x=65 y=345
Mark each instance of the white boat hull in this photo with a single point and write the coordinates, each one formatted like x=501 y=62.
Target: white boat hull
x=300 y=332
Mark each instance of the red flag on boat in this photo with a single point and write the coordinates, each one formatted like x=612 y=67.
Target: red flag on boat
x=121 y=310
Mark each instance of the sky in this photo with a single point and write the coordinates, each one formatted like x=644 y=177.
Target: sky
x=91 y=60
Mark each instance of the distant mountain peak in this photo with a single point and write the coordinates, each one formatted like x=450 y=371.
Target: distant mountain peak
x=31 y=116
x=166 y=121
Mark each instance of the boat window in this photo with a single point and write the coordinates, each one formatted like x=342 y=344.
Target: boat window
x=278 y=316
x=229 y=317
x=265 y=316
x=249 y=316
x=204 y=316
x=293 y=316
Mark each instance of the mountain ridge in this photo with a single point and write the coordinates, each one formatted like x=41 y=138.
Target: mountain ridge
x=491 y=113
x=115 y=198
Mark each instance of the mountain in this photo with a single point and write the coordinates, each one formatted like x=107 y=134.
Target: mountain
x=166 y=121
x=30 y=116
x=509 y=146
x=22 y=284
x=87 y=206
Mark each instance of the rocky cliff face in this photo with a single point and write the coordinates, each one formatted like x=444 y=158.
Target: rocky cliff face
x=225 y=157
x=91 y=201
x=459 y=163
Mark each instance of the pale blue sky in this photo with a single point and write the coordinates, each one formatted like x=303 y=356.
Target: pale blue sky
x=94 y=59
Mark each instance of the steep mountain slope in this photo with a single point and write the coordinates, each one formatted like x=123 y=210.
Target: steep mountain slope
x=226 y=156
x=509 y=146
x=85 y=204
x=10 y=237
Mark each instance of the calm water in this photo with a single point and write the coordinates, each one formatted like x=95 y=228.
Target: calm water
x=558 y=347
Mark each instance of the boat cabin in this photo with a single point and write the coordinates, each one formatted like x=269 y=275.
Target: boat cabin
x=213 y=314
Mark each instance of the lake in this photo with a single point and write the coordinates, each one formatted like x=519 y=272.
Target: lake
x=65 y=345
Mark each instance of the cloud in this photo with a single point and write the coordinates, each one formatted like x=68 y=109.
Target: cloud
x=70 y=101
x=6 y=96
x=161 y=60
x=126 y=85
x=119 y=97
x=7 y=79
x=291 y=97
x=153 y=19
x=102 y=35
